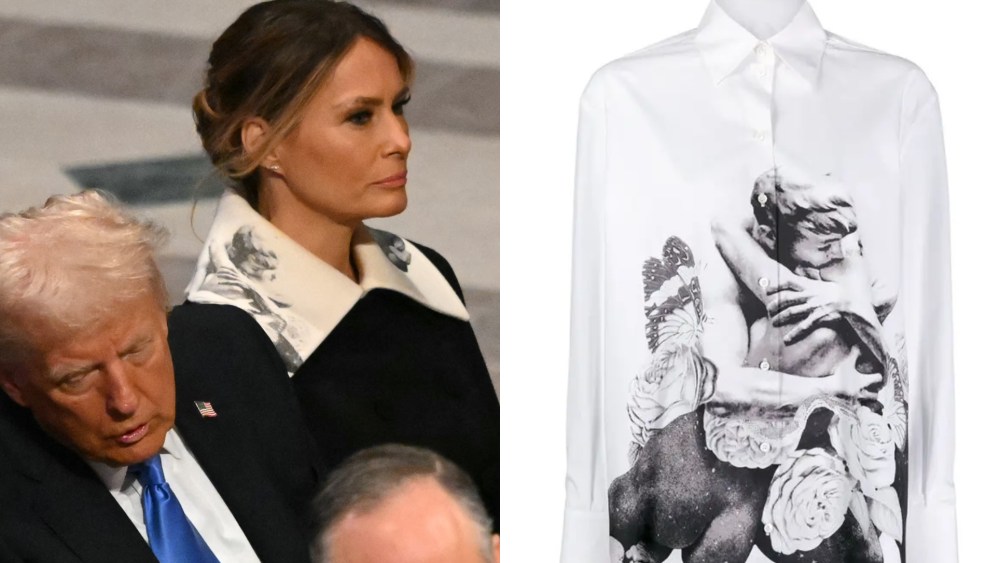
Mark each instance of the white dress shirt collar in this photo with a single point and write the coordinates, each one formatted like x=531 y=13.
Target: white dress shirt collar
x=113 y=477
x=730 y=31
x=203 y=506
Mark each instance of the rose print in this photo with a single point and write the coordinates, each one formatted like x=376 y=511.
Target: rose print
x=866 y=442
x=749 y=436
x=807 y=501
x=676 y=381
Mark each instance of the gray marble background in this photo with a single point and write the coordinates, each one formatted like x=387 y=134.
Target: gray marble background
x=97 y=94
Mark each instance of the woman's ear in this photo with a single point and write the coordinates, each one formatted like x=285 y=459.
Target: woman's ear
x=253 y=135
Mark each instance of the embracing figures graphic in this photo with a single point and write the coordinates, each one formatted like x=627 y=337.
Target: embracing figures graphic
x=799 y=451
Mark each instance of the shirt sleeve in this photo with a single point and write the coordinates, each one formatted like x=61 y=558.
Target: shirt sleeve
x=585 y=525
x=931 y=531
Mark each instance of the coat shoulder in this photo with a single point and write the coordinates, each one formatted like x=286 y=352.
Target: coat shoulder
x=443 y=266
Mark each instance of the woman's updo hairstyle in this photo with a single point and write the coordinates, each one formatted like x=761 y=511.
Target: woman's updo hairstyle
x=269 y=64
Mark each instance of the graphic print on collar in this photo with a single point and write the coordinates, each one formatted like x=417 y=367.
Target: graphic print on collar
x=240 y=271
x=812 y=468
x=294 y=296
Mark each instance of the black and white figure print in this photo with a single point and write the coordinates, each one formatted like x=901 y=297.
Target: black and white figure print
x=242 y=269
x=800 y=453
x=394 y=248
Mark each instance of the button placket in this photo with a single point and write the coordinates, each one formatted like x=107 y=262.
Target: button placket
x=779 y=344
x=762 y=80
x=765 y=62
x=753 y=90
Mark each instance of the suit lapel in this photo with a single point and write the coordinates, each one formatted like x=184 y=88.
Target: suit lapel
x=69 y=497
x=223 y=446
x=82 y=512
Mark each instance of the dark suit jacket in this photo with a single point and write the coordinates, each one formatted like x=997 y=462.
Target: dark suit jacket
x=53 y=508
x=392 y=370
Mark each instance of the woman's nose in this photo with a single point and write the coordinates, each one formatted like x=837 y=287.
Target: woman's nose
x=399 y=137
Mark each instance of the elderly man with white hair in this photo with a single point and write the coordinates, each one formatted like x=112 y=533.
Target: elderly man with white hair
x=403 y=504
x=108 y=454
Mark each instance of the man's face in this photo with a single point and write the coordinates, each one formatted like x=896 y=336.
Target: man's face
x=419 y=523
x=106 y=392
x=816 y=250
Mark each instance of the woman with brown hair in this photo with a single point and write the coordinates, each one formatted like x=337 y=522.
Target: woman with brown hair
x=302 y=111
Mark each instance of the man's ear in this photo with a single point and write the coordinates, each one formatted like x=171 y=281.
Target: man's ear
x=11 y=387
x=496 y=548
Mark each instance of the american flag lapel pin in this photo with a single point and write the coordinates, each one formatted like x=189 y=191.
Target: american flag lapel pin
x=205 y=408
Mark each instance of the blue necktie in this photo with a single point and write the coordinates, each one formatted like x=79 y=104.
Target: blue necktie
x=171 y=536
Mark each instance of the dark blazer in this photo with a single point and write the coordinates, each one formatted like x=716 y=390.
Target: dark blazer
x=53 y=508
x=392 y=370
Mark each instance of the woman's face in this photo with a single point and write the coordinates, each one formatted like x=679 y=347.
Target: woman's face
x=346 y=160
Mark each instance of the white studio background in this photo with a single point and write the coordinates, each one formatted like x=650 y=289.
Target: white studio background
x=548 y=52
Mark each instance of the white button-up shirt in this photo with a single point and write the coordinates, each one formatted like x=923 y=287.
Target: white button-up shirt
x=202 y=504
x=761 y=345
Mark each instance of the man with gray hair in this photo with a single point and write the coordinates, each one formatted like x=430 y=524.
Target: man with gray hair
x=107 y=453
x=402 y=504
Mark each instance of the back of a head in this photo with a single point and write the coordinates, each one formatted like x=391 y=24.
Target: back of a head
x=71 y=262
x=819 y=203
x=372 y=477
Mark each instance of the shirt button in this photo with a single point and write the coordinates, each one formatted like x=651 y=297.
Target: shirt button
x=768 y=528
x=762 y=73
x=762 y=49
x=762 y=199
x=765 y=447
x=764 y=364
x=759 y=135
x=763 y=282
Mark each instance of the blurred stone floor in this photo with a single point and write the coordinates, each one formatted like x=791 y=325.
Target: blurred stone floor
x=97 y=94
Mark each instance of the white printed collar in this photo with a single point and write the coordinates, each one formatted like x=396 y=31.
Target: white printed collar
x=296 y=297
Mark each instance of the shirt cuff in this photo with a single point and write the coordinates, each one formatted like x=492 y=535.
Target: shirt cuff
x=585 y=537
x=931 y=532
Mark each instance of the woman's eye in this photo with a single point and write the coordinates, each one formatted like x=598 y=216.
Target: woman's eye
x=360 y=118
x=397 y=108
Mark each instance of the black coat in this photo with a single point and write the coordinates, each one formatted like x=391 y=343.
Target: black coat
x=391 y=371
x=54 y=508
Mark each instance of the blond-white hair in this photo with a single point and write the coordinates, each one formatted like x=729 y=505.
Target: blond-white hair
x=70 y=263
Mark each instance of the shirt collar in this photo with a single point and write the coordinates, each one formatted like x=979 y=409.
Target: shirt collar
x=114 y=477
x=725 y=43
x=296 y=297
